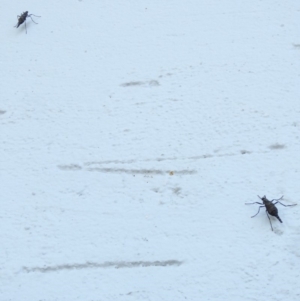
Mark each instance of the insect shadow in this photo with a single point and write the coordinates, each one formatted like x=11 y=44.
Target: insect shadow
x=22 y=19
x=270 y=207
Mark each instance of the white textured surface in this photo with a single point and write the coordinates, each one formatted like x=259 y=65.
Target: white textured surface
x=132 y=133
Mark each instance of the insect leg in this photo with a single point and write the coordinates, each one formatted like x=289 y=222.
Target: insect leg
x=277 y=199
x=25 y=27
x=254 y=203
x=257 y=211
x=284 y=204
x=269 y=220
x=32 y=19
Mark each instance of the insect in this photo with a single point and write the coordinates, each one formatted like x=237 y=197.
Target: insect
x=22 y=19
x=270 y=207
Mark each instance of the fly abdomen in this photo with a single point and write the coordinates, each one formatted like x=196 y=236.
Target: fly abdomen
x=272 y=210
x=278 y=218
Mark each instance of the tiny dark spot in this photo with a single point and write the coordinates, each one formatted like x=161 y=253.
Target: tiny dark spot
x=2 y=112
x=243 y=152
x=176 y=190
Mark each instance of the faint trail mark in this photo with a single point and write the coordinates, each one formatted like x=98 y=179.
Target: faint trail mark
x=162 y=159
x=70 y=167
x=152 y=159
x=132 y=84
x=142 y=171
x=108 y=264
x=96 y=165
x=151 y=83
x=277 y=146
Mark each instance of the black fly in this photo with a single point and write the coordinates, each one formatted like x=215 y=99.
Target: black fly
x=270 y=207
x=22 y=19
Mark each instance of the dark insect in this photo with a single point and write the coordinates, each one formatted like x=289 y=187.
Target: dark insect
x=270 y=207
x=22 y=19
